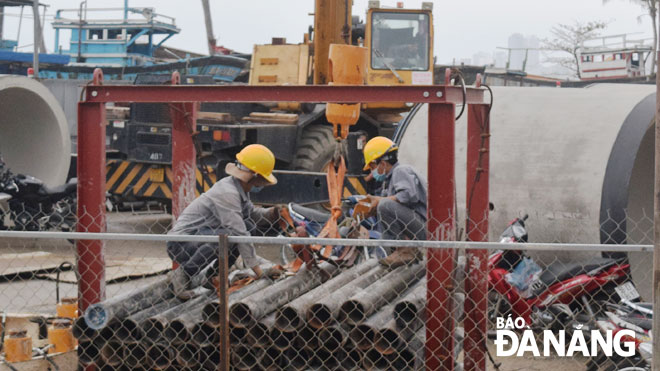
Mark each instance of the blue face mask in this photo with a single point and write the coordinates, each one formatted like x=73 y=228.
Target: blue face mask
x=256 y=189
x=378 y=176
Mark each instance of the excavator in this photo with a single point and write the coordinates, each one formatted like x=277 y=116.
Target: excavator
x=399 y=48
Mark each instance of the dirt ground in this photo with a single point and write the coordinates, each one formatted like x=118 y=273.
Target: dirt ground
x=530 y=363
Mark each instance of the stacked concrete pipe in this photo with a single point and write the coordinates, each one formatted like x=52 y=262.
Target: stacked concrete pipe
x=34 y=134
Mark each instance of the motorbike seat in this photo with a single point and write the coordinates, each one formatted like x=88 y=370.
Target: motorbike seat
x=69 y=187
x=644 y=323
x=558 y=271
x=311 y=214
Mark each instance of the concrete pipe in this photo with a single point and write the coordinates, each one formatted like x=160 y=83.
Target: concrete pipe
x=34 y=137
x=578 y=161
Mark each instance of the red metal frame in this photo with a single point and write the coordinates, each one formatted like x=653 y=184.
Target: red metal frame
x=441 y=227
x=91 y=202
x=441 y=202
x=476 y=282
x=309 y=93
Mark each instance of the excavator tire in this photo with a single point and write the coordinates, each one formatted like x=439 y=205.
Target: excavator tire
x=315 y=149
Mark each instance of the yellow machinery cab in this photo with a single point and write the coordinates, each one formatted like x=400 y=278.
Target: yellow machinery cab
x=400 y=43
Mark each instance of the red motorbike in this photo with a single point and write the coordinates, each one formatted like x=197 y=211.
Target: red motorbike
x=558 y=293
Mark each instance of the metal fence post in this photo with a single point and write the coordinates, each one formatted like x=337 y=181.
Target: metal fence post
x=441 y=226
x=91 y=201
x=223 y=254
x=476 y=282
x=184 y=126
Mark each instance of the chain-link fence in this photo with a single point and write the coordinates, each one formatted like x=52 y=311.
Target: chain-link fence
x=379 y=297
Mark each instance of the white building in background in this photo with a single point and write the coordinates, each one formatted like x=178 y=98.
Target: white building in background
x=482 y=59
x=499 y=59
x=523 y=52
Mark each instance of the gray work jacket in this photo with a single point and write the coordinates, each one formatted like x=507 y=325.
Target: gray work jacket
x=408 y=187
x=226 y=208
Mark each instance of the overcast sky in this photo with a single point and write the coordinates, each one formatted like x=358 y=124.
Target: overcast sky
x=462 y=27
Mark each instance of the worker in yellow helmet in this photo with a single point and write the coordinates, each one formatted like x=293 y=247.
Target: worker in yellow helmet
x=401 y=206
x=224 y=209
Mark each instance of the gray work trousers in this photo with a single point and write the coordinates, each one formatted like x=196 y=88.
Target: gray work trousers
x=194 y=256
x=398 y=222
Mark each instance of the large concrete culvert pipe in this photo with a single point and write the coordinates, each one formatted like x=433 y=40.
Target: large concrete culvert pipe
x=34 y=135
x=578 y=161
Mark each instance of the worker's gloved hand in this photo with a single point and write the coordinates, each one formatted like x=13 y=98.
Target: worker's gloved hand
x=273 y=273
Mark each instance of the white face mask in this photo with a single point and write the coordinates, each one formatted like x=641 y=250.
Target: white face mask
x=377 y=176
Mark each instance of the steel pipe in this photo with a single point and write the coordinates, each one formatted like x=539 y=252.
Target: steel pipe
x=292 y=316
x=259 y=334
x=352 y=358
x=255 y=306
x=389 y=338
x=81 y=331
x=355 y=310
x=185 y=326
x=188 y=355
x=246 y=358
x=411 y=306
x=374 y=359
x=112 y=353
x=273 y=359
x=89 y=351
x=203 y=334
x=299 y=358
x=154 y=327
x=238 y=335
x=131 y=329
x=307 y=338
x=364 y=334
x=211 y=310
x=322 y=313
x=282 y=340
x=100 y=314
x=211 y=355
x=332 y=338
x=135 y=355
x=159 y=356
x=564 y=247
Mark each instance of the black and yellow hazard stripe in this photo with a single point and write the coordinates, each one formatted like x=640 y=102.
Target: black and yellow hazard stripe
x=355 y=185
x=140 y=180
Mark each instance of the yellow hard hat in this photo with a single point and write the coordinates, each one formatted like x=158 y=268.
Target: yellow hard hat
x=375 y=148
x=259 y=159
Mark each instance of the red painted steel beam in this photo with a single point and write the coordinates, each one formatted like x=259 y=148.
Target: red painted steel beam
x=319 y=93
x=476 y=282
x=91 y=202
x=442 y=227
x=184 y=126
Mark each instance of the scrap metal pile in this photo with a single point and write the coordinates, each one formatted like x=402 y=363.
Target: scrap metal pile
x=366 y=317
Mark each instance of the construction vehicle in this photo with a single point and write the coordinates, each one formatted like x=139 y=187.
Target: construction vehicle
x=399 y=43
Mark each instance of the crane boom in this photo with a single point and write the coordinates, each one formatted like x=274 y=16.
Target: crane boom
x=209 y=27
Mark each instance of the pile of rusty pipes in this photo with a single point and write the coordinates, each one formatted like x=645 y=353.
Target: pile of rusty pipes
x=364 y=317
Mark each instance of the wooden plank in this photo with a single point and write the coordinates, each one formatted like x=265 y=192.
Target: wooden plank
x=216 y=116
x=275 y=115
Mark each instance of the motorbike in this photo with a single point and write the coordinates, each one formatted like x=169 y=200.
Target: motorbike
x=626 y=315
x=27 y=204
x=562 y=292
x=351 y=225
